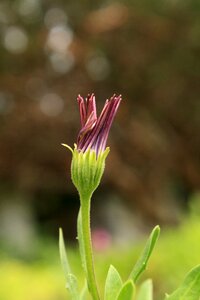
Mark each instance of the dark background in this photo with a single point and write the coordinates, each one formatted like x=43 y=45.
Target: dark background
x=50 y=51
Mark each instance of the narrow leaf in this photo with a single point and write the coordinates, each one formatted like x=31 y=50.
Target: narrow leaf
x=146 y=290
x=113 y=284
x=71 y=280
x=141 y=264
x=84 y=292
x=127 y=291
x=190 y=288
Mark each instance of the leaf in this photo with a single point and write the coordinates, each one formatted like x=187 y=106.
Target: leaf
x=127 y=291
x=141 y=264
x=190 y=288
x=146 y=290
x=84 y=292
x=113 y=284
x=72 y=285
x=71 y=280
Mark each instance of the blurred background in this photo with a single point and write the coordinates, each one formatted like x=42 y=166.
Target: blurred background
x=51 y=51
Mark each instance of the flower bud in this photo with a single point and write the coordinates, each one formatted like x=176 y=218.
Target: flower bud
x=89 y=155
x=87 y=169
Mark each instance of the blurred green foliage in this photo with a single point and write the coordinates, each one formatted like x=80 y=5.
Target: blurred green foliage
x=176 y=253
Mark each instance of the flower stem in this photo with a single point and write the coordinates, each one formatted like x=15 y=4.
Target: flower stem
x=87 y=244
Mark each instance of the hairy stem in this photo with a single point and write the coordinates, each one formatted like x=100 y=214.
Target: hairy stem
x=87 y=245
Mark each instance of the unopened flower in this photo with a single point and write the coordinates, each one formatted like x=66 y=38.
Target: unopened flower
x=90 y=152
x=94 y=130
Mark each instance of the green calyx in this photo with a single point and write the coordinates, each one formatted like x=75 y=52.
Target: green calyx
x=87 y=169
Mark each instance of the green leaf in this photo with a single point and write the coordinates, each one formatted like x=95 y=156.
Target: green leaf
x=71 y=280
x=146 y=290
x=190 y=288
x=84 y=292
x=113 y=284
x=141 y=264
x=127 y=291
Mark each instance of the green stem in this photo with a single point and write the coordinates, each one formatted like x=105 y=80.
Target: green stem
x=87 y=244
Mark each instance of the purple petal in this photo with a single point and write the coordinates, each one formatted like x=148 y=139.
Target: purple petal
x=91 y=106
x=88 y=126
x=94 y=132
x=82 y=109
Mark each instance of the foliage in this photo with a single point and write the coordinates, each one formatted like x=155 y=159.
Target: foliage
x=154 y=63
x=190 y=288
x=114 y=288
x=42 y=279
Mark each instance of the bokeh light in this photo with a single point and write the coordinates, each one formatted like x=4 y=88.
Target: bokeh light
x=55 y=16
x=6 y=103
x=15 y=39
x=98 y=67
x=62 y=63
x=51 y=104
x=29 y=9
x=59 y=39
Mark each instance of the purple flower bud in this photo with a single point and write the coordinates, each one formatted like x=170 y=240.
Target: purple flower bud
x=94 y=130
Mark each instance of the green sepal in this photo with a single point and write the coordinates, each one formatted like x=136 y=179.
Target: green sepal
x=71 y=280
x=141 y=263
x=145 y=291
x=113 y=284
x=190 y=288
x=87 y=169
x=127 y=291
x=68 y=147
